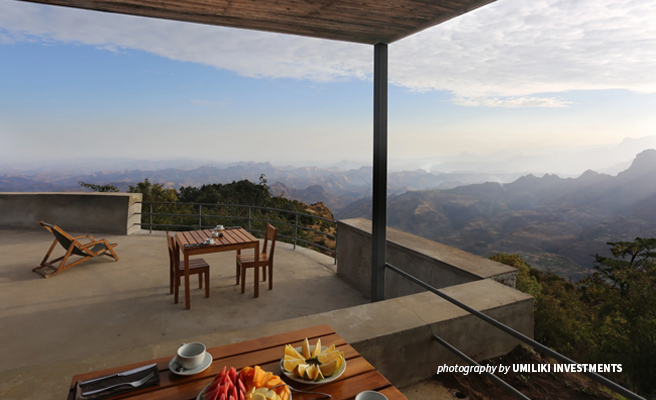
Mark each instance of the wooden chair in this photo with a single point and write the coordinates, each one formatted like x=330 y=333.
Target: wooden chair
x=266 y=259
x=197 y=266
x=73 y=247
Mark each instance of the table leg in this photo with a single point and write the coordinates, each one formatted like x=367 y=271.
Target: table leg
x=257 y=269
x=187 y=294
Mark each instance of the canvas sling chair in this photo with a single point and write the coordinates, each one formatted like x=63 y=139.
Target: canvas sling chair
x=73 y=247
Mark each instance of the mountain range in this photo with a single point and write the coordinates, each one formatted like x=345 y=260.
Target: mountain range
x=334 y=187
x=555 y=223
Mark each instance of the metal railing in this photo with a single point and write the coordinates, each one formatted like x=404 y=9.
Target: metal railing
x=536 y=345
x=206 y=212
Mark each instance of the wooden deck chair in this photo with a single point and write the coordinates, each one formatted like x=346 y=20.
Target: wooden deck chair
x=73 y=247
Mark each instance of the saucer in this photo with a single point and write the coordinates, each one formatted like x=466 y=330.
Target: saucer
x=174 y=366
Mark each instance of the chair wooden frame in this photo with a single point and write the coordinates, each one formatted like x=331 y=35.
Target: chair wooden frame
x=197 y=266
x=265 y=260
x=73 y=246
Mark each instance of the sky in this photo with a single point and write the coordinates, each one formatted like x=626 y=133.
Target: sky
x=515 y=76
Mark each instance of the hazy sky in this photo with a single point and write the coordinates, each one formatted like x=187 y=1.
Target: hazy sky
x=513 y=75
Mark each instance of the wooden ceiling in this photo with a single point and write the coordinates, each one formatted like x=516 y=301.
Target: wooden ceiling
x=359 y=21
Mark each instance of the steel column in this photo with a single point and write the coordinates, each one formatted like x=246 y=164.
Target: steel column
x=379 y=201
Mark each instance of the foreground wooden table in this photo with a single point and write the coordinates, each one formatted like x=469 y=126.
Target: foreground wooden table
x=192 y=243
x=266 y=352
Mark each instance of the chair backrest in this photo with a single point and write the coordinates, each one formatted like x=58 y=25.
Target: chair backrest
x=270 y=240
x=174 y=251
x=64 y=239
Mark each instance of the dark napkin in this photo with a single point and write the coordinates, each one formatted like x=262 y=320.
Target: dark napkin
x=76 y=392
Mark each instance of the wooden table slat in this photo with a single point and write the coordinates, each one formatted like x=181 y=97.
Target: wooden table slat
x=182 y=239
x=187 y=237
x=392 y=393
x=242 y=235
x=232 y=236
x=197 y=237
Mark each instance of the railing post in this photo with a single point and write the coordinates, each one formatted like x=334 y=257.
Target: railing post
x=200 y=217
x=295 y=231
x=249 y=218
x=151 y=218
x=335 y=242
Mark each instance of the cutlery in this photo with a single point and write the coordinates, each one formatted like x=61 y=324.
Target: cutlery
x=301 y=391
x=125 y=373
x=177 y=367
x=134 y=384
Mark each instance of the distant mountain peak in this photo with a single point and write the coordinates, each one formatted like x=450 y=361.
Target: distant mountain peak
x=644 y=163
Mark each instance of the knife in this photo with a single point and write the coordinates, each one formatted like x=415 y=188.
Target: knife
x=126 y=373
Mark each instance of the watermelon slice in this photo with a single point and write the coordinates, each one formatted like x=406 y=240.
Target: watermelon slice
x=211 y=394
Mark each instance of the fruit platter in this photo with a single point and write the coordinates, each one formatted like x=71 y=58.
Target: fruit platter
x=312 y=366
x=251 y=383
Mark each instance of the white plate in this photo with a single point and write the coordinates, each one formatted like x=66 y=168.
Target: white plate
x=295 y=378
x=205 y=388
x=173 y=366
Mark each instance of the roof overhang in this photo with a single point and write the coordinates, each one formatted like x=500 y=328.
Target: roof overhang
x=359 y=21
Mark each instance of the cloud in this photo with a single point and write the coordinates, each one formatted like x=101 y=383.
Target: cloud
x=517 y=48
x=511 y=53
x=512 y=102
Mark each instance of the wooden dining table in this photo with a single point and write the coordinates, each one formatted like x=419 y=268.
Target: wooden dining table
x=192 y=243
x=266 y=352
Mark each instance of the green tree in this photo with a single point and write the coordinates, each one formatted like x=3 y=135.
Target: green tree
x=562 y=319
x=526 y=282
x=99 y=188
x=154 y=192
x=157 y=193
x=623 y=292
x=608 y=317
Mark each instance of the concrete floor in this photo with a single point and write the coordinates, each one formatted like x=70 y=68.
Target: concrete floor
x=103 y=313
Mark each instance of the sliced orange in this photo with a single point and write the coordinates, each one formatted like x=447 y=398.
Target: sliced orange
x=305 y=349
x=317 y=349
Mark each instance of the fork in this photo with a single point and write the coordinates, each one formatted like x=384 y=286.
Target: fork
x=301 y=391
x=134 y=384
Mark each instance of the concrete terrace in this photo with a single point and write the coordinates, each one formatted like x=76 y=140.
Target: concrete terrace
x=103 y=313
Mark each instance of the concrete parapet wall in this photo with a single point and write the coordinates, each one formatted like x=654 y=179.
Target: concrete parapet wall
x=115 y=213
x=434 y=263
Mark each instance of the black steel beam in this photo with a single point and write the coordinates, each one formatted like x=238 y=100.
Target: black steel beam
x=379 y=201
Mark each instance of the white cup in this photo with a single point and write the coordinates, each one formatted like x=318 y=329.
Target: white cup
x=370 y=395
x=219 y=227
x=191 y=355
x=209 y=241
